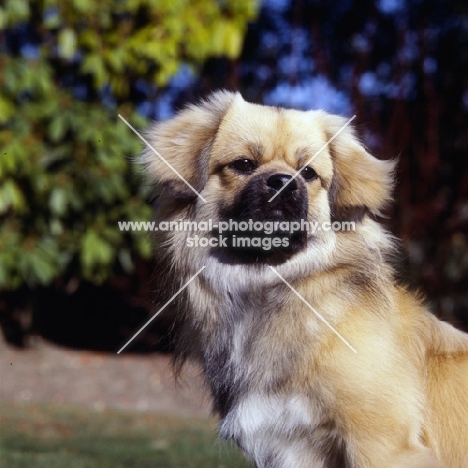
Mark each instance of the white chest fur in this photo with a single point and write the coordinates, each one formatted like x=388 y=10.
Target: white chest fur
x=274 y=430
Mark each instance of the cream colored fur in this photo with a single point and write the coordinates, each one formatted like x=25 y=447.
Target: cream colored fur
x=300 y=396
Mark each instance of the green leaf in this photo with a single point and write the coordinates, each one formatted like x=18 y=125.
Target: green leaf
x=83 y=6
x=143 y=244
x=58 y=202
x=57 y=128
x=92 y=64
x=233 y=37
x=3 y=23
x=67 y=43
x=11 y=196
x=42 y=270
x=16 y=11
x=7 y=109
x=95 y=250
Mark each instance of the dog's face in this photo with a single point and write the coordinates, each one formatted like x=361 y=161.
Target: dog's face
x=244 y=159
x=254 y=163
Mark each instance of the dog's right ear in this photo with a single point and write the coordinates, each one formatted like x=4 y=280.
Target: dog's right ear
x=361 y=183
x=183 y=144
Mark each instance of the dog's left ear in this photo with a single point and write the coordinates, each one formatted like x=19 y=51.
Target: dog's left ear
x=361 y=183
x=180 y=147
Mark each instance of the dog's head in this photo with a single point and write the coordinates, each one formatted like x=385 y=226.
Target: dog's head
x=234 y=161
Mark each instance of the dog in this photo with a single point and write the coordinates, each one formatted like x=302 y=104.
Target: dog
x=314 y=354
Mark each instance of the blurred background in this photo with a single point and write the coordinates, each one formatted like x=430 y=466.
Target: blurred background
x=74 y=289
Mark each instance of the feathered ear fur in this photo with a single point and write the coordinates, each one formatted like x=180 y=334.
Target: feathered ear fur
x=184 y=145
x=361 y=182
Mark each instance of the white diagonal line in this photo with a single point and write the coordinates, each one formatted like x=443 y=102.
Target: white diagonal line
x=161 y=309
x=313 y=310
x=162 y=159
x=312 y=158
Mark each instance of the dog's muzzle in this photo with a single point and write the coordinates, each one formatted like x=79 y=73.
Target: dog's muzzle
x=253 y=205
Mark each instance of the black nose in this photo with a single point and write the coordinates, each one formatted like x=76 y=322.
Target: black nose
x=278 y=181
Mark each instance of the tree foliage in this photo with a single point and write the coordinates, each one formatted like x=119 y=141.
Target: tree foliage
x=67 y=69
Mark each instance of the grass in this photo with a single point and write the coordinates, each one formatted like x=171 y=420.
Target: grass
x=44 y=436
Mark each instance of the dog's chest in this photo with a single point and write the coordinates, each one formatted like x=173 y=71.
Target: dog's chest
x=258 y=412
x=283 y=431
x=251 y=363
x=249 y=350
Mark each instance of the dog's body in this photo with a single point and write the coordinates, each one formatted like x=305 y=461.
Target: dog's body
x=288 y=390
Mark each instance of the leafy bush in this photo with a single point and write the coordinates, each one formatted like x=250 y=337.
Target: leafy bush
x=67 y=70
x=65 y=182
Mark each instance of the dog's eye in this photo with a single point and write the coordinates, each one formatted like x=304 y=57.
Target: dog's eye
x=308 y=173
x=243 y=165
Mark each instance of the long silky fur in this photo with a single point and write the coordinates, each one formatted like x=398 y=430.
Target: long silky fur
x=287 y=389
